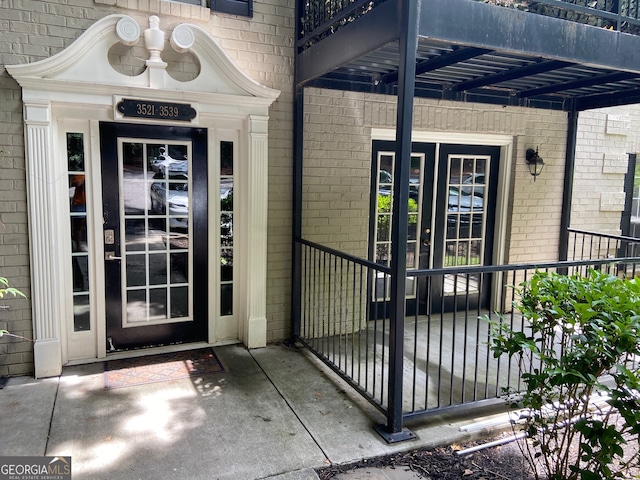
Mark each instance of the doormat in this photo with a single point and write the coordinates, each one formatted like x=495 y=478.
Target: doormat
x=160 y=368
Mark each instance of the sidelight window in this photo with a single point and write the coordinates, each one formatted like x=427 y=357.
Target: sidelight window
x=79 y=240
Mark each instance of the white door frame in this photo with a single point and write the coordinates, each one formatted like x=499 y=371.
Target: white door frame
x=506 y=144
x=73 y=88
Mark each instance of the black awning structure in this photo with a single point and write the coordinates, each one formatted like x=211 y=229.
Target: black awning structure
x=563 y=55
x=477 y=52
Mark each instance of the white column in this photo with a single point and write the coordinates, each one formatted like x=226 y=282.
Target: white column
x=255 y=329
x=46 y=283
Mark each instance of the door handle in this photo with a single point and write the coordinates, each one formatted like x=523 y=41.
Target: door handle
x=426 y=243
x=111 y=256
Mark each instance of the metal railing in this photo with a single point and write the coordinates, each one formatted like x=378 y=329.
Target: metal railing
x=446 y=358
x=621 y=15
x=320 y=18
x=588 y=245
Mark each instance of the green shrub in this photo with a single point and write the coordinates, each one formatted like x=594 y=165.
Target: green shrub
x=5 y=290
x=581 y=335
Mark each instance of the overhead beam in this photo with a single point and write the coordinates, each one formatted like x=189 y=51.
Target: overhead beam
x=613 y=99
x=441 y=61
x=581 y=83
x=509 y=30
x=512 y=74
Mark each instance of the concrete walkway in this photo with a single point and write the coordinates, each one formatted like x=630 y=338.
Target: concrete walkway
x=274 y=412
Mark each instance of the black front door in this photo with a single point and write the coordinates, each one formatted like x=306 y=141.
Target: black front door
x=154 y=185
x=451 y=213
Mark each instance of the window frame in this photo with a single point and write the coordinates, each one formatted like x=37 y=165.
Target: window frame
x=234 y=7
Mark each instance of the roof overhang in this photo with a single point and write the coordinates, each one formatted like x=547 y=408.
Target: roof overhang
x=473 y=51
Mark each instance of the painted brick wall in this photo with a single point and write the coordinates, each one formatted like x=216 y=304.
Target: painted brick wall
x=337 y=160
x=33 y=30
x=16 y=357
x=337 y=166
x=605 y=138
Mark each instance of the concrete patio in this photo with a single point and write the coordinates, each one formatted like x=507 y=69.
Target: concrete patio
x=273 y=412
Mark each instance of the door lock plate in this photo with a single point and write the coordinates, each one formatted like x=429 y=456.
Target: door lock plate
x=109 y=237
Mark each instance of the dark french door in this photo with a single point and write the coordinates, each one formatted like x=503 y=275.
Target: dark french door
x=464 y=224
x=154 y=185
x=451 y=214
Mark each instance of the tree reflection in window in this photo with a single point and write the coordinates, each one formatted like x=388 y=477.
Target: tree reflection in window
x=226 y=228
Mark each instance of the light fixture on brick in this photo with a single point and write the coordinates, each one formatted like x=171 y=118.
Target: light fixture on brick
x=535 y=162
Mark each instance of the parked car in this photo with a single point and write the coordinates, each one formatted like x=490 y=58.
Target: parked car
x=474 y=184
x=464 y=218
x=385 y=184
x=165 y=160
x=172 y=195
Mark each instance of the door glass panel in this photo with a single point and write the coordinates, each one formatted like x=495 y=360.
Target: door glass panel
x=179 y=302
x=466 y=218
x=136 y=270
x=136 y=306
x=158 y=303
x=226 y=227
x=156 y=230
x=79 y=241
x=384 y=213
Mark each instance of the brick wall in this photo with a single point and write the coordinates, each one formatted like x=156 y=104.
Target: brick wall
x=338 y=147
x=337 y=166
x=16 y=357
x=605 y=138
x=262 y=47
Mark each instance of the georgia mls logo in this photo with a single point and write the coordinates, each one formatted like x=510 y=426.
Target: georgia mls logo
x=35 y=468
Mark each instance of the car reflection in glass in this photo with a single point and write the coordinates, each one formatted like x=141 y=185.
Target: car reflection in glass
x=473 y=184
x=385 y=185
x=467 y=210
x=172 y=196
x=164 y=160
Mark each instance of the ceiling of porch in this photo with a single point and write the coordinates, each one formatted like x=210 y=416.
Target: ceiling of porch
x=471 y=51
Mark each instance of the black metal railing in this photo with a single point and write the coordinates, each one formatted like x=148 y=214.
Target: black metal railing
x=622 y=15
x=446 y=359
x=588 y=245
x=335 y=317
x=320 y=18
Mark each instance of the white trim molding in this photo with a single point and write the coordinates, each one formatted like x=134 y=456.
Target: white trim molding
x=80 y=84
x=45 y=266
x=254 y=332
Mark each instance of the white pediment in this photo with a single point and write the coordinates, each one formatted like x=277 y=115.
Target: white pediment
x=86 y=62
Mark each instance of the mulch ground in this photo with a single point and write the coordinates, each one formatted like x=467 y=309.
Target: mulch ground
x=503 y=462
x=445 y=463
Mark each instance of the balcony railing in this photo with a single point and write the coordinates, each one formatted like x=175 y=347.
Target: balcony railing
x=586 y=245
x=320 y=18
x=445 y=362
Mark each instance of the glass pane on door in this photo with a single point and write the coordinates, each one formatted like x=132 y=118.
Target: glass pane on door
x=155 y=221
x=465 y=218
x=384 y=215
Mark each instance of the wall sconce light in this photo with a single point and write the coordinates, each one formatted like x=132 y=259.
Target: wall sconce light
x=535 y=162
